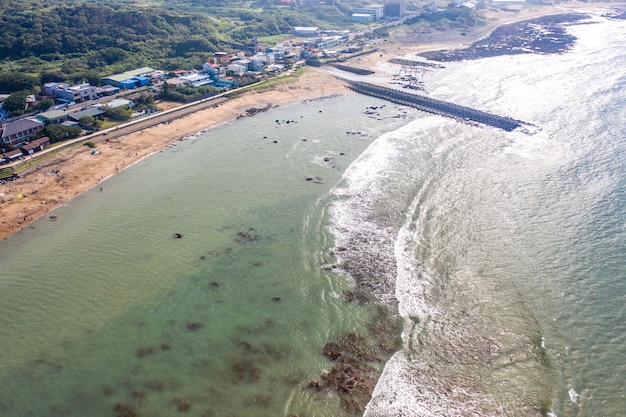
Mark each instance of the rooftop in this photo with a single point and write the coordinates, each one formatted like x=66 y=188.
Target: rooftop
x=130 y=74
x=21 y=125
x=52 y=114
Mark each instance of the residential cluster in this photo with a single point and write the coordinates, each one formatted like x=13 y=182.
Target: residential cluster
x=223 y=70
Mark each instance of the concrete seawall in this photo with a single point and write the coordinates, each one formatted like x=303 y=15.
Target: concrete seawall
x=440 y=107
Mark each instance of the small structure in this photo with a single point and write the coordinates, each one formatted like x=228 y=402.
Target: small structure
x=35 y=145
x=174 y=83
x=108 y=90
x=13 y=155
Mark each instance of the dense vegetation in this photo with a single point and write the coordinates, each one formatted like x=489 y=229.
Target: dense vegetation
x=71 y=41
x=85 y=40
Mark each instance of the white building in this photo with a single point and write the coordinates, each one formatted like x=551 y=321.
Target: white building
x=305 y=31
x=119 y=102
x=375 y=10
x=197 y=80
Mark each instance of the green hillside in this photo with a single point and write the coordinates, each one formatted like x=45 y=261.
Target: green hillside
x=79 y=39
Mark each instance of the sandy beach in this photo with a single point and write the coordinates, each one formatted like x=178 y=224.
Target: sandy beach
x=57 y=180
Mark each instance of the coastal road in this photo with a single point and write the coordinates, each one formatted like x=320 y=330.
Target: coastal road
x=131 y=127
x=156 y=119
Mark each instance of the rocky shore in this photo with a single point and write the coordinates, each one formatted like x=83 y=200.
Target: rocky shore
x=543 y=35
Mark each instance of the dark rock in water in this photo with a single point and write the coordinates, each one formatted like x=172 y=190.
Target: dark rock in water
x=215 y=284
x=276 y=299
x=183 y=406
x=352 y=377
x=125 y=410
x=245 y=370
x=247 y=236
x=156 y=385
x=332 y=351
x=274 y=141
x=342 y=153
x=193 y=326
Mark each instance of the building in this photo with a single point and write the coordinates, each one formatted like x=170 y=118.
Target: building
x=305 y=31
x=394 y=9
x=376 y=10
x=243 y=62
x=174 y=83
x=35 y=145
x=130 y=79
x=66 y=93
x=95 y=112
x=53 y=117
x=362 y=17
x=119 y=102
x=235 y=69
x=16 y=133
x=108 y=90
x=197 y=79
x=221 y=58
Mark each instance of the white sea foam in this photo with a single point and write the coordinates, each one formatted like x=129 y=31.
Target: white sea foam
x=408 y=385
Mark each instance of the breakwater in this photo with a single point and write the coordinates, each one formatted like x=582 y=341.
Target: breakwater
x=440 y=107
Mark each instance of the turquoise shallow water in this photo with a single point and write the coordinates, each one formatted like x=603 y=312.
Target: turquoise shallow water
x=503 y=254
x=110 y=308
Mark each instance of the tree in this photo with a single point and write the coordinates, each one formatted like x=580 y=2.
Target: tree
x=14 y=81
x=145 y=101
x=112 y=55
x=58 y=133
x=44 y=104
x=87 y=120
x=52 y=77
x=15 y=104
x=119 y=113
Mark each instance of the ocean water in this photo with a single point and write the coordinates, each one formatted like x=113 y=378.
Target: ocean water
x=503 y=255
x=104 y=312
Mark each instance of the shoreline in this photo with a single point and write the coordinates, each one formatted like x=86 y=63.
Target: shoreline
x=54 y=182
